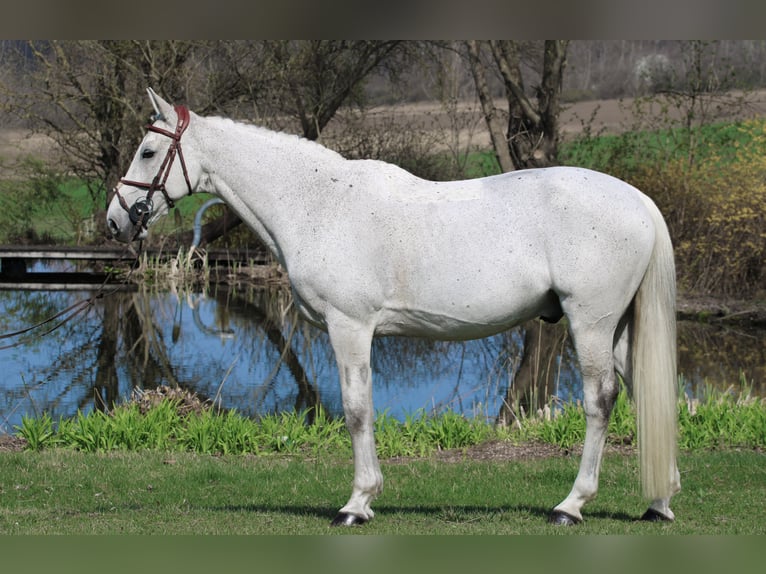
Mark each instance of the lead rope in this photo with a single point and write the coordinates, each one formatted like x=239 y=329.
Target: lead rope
x=139 y=214
x=68 y=313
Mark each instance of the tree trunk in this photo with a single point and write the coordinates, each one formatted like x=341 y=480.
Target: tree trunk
x=532 y=135
x=499 y=141
x=531 y=141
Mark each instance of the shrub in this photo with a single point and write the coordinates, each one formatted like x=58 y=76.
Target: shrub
x=714 y=208
x=709 y=183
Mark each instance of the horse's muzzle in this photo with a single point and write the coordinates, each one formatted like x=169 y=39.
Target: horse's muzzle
x=122 y=228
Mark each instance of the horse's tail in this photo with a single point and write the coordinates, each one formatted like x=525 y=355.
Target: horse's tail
x=654 y=365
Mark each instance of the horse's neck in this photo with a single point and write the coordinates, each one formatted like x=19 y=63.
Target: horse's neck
x=268 y=179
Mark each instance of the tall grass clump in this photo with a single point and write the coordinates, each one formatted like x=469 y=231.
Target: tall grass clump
x=563 y=423
x=723 y=419
x=166 y=426
x=420 y=434
x=719 y=419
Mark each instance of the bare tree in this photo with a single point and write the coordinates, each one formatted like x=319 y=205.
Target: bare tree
x=531 y=138
x=292 y=85
x=89 y=98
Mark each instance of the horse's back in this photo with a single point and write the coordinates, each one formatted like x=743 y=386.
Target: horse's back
x=477 y=256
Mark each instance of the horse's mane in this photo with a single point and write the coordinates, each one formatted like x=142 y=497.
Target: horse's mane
x=276 y=138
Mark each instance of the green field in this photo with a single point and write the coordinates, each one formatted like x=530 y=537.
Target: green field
x=61 y=491
x=51 y=208
x=206 y=472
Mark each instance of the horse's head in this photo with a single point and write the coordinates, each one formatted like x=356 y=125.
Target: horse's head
x=158 y=176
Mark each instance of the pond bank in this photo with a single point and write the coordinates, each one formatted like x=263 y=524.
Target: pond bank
x=690 y=307
x=708 y=309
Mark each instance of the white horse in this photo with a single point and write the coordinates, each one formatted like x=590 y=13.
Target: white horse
x=372 y=250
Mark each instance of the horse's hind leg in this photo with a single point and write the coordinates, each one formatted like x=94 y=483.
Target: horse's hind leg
x=593 y=342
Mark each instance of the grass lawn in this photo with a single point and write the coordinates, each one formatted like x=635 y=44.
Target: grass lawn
x=63 y=491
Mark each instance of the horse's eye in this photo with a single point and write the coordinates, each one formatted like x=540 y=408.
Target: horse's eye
x=147 y=153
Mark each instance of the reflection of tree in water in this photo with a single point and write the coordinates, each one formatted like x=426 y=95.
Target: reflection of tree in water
x=149 y=364
x=122 y=336
x=536 y=368
x=123 y=317
x=25 y=308
x=270 y=313
x=402 y=357
x=106 y=381
x=126 y=341
x=721 y=357
x=258 y=315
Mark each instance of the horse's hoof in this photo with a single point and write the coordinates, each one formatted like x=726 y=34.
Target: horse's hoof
x=346 y=519
x=563 y=519
x=652 y=515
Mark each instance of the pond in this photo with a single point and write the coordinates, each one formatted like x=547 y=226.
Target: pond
x=246 y=348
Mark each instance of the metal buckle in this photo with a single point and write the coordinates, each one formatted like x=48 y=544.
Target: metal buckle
x=140 y=212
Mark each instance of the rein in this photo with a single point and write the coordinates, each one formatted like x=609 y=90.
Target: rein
x=69 y=313
x=142 y=209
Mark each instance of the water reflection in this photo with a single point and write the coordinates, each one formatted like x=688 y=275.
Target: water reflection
x=245 y=348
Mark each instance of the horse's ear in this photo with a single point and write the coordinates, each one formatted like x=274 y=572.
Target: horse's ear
x=162 y=109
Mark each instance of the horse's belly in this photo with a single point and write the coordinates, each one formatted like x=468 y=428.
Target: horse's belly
x=420 y=324
x=461 y=319
x=465 y=300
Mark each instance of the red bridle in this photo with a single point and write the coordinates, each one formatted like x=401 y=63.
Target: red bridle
x=142 y=209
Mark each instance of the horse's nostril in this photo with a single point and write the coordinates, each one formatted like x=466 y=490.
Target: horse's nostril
x=113 y=229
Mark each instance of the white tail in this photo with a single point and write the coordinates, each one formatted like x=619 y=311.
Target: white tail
x=654 y=366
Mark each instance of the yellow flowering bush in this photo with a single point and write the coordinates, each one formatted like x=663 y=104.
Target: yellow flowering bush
x=714 y=201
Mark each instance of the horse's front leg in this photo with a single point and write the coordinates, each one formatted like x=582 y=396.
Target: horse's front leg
x=351 y=343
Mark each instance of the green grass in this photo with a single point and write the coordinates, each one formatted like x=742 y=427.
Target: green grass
x=719 y=420
x=63 y=491
x=625 y=152
x=162 y=472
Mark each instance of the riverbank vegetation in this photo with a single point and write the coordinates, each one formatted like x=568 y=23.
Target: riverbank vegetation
x=180 y=422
